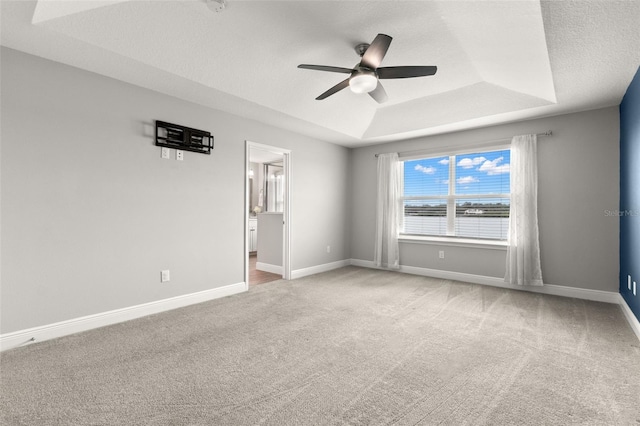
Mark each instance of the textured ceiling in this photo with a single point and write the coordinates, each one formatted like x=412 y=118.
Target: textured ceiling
x=498 y=61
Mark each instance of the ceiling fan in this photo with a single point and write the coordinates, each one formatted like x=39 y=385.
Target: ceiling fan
x=364 y=76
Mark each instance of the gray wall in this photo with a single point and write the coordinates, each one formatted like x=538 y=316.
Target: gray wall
x=91 y=214
x=270 y=238
x=578 y=181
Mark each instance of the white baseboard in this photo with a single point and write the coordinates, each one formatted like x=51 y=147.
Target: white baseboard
x=556 y=290
x=266 y=267
x=628 y=313
x=76 y=325
x=299 y=273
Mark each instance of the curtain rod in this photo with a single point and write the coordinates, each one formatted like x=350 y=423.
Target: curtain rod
x=400 y=154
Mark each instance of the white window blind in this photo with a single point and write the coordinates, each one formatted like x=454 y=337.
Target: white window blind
x=461 y=195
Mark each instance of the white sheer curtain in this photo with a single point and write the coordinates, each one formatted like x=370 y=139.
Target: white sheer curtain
x=388 y=212
x=523 y=249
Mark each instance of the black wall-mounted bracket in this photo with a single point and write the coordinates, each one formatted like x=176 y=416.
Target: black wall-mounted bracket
x=185 y=138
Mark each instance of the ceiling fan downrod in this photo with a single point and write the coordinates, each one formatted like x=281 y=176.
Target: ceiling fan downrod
x=361 y=48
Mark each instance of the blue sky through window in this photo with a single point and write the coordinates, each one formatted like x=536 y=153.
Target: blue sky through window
x=479 y=173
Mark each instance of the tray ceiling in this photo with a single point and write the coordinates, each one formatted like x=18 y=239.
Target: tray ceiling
x=498 y=61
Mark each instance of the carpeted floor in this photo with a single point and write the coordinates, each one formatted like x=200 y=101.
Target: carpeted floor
x=347 y=347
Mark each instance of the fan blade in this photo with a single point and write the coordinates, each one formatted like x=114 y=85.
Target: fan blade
x=338 y=87
x=376 y=51
x=379 y=94
x=326 y=68
x=406 y=72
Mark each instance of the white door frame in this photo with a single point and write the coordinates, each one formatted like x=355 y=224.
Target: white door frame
x=286 y=249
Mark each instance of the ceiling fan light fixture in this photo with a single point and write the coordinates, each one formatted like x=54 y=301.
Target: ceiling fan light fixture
x=363 y=82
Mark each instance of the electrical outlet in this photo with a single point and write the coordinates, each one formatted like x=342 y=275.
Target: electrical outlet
x=166 y=153
x=179 y=155
x=441 y=254
x=328 y=249
x=165 y=276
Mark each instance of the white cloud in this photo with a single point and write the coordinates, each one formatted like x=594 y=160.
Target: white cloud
x=467 y=179
x=469 y=163
x=428 y=170
x=505 y=168
x=494 y=167
x=444 y=161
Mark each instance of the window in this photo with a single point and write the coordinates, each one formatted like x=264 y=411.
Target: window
x=462 y=195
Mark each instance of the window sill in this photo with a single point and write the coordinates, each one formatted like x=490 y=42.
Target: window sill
x=454 y=241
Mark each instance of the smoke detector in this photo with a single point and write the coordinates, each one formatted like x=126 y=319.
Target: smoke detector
x=216 y=5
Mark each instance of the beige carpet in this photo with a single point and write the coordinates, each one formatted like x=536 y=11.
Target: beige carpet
x=348 y=347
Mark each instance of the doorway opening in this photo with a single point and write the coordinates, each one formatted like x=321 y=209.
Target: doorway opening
x=267 y=213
